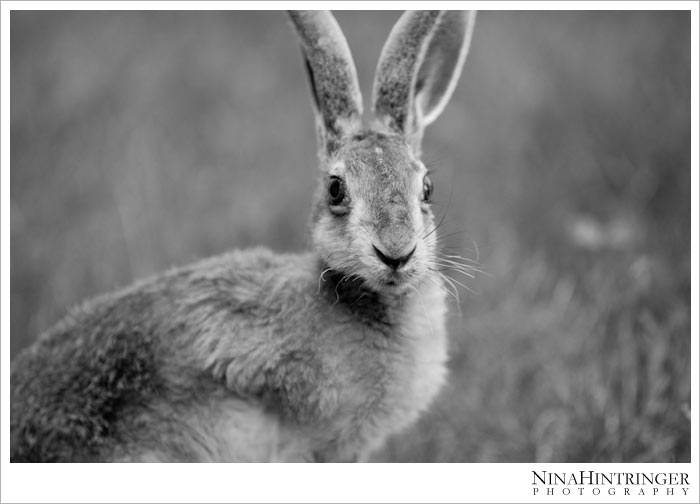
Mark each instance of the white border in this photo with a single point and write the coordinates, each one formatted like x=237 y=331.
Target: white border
x=88 y=483
x=346 y=5
x=695 y=223
x=307 y=483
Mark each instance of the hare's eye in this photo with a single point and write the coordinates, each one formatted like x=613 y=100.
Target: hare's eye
x=427 y=189
x=336 y=191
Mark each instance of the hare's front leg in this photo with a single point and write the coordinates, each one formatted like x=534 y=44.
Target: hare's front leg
x=301 y=388
x=293 y=385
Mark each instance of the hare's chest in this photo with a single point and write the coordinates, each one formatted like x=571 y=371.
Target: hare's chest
x=426 y=338
x=414 y=369
x=420 y=368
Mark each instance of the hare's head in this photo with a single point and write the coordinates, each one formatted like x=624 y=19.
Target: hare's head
x=372 y=218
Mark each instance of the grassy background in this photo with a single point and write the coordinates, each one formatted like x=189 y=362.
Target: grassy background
x=144 y=140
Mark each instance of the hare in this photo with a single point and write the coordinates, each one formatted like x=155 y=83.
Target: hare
x=256 y=356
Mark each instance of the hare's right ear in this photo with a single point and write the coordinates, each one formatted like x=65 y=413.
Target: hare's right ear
x=334 y=86
x=419 y=68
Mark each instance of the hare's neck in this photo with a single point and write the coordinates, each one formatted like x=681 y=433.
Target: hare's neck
x=382 y=307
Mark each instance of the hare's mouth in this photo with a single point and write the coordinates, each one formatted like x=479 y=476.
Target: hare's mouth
x=395 y=278
x=396 y=281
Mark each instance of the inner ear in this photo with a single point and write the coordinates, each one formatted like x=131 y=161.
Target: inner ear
x=439 y=67
x=430 y=80
x=312 y=83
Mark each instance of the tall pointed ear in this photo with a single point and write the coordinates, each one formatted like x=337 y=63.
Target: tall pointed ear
x=419 y=68
x=335 y=90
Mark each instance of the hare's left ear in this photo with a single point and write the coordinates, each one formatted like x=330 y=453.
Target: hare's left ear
x=418 y=69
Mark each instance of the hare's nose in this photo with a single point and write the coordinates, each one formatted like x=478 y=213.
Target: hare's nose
x=393 y=262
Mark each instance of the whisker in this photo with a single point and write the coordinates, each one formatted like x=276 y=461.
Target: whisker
x=444 y=214
x=437 y=226
x=460 y=266
x=440 y=268
x=461 y=284
x=433 y=165
x=454 y=288
x=456 y=254
x=320 y=278
x=462 y=272
x=443 y=237
x=443 y=288
x=452 y=256
x=474 y=266
x=358 y=298
x=459 y=260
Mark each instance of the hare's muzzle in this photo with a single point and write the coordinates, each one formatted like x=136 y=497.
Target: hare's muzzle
x=394 y=261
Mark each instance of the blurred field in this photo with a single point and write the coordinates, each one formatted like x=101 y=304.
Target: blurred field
x=144 y=140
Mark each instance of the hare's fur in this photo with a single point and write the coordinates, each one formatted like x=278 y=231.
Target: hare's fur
x=346 y=374
x=256 y=356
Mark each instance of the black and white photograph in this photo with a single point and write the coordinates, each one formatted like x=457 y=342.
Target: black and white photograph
x=353 y=236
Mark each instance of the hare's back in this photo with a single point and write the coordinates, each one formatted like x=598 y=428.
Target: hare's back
x=117 y=376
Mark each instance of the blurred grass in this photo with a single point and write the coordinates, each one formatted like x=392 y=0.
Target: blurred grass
x=143 y=140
